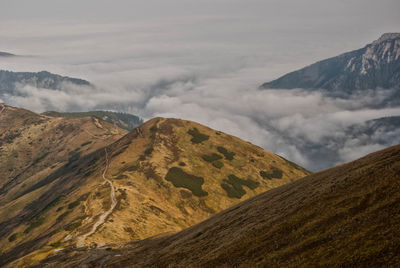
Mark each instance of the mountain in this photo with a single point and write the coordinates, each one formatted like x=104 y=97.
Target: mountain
x=122 y=120
x=5 y=54
x=347 y=216
x=9 y=81
x=162 y=177
x=377 y=65
x=34 y=149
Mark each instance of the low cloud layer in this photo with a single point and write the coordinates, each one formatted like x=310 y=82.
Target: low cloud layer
x=288 y=122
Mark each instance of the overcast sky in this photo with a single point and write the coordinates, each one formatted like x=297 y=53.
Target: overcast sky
x=198 y=60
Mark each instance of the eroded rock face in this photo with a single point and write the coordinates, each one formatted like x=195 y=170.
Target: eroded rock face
x=377 y=65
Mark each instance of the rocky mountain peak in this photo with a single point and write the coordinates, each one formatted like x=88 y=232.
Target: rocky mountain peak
x=387 y=37
x=374 y=66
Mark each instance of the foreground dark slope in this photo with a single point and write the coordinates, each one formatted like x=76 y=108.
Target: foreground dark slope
x=345 y=216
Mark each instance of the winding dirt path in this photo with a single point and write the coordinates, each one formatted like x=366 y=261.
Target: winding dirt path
x=81 y=239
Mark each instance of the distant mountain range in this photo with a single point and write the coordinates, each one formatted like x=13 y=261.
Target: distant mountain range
x=377 y=65
x=10 y=80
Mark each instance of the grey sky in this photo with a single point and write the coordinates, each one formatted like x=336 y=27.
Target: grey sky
x=198 y=60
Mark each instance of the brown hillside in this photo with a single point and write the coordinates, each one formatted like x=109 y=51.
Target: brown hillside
x=347 y=216
x=34 y=151
x=167 y=175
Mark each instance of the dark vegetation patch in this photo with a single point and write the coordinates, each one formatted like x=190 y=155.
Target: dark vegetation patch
x=218 y=164
x=180 y=178
x=121 y=177
x=182 y=164
x=56 y=244
x=13 y=237
x=62 y=216
x=72 y=226
x=38 y=219
x=234 y=186
x=120 y=150
x=59 y=209
x=129 y=167
x=121 y=197
x=228 y=155
x=40 y=158
x=86 y=143
x=148 y=151
x=198 y=137
x=88 y=173
x=275 y=174
x=34 y=222
x=74 y=204
x=74 y=156
x=212 y=157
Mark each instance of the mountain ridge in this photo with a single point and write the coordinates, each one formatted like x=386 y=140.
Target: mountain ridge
x=9 y=81
x=166 y=175
x=343 y=216
x=377 y=65
x=122 y=120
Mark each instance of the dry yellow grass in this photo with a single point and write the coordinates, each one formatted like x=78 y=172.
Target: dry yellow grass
x=148 y=204
x=347 y=216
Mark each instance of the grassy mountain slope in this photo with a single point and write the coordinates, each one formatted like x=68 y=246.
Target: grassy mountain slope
x=122 y=120
x=34 y=151
x=347 y=216
x=167 y=174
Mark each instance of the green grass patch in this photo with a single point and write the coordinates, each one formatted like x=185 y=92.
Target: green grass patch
x=228 y=155
x=12 y=237
x=275 y=174
x=234 y=186
x=198 y=137
x=212 y=157
x=180 y=178
x=218 y=164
